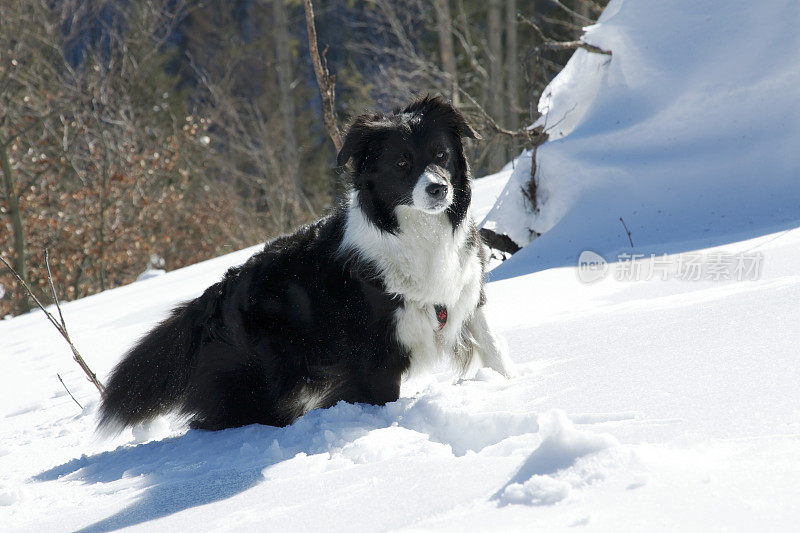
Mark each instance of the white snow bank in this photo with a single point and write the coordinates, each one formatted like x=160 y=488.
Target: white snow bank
x=485 y=191
x=538 y=481
x=511 y=212
x=689 y=132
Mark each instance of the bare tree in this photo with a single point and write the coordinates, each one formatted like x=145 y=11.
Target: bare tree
x=325 y=81
x=100 y=164
x=15 y=215
x=446 y=47
x=512 y=65
x=285 y=77
x=495 y=93
x=488 y=69
x=24 y=68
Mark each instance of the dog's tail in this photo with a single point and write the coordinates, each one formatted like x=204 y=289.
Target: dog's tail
x=153 y=377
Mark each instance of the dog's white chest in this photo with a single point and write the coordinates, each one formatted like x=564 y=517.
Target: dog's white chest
x=428 y=264
x=426 y=261
x=436 y=268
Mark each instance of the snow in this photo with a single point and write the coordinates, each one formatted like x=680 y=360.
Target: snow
x=487 y=189
x=562 y=446
x=689 y=132
x=151 y=273
x=658 y=403
x=510 y=213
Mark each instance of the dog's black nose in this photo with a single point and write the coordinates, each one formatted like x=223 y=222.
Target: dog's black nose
x=436 y=190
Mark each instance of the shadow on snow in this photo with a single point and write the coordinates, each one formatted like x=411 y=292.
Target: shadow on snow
x=202 y=467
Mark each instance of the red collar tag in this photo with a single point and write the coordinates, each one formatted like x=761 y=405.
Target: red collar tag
x=441 y=315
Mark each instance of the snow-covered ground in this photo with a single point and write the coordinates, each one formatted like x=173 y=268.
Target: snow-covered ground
x=668 y=405
x=654 y=395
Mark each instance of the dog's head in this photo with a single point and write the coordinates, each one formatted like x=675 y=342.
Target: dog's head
x=412 y=157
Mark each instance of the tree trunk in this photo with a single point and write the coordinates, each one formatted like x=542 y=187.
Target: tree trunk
x=446 y=48
x=286 y=96
x=512 y=69
x=583 y=9
x=101 y=229
x=325 y=80
x=496 y=93
x=16 y=223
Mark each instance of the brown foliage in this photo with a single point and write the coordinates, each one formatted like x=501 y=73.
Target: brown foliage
x=110 y=166
x=168 y=216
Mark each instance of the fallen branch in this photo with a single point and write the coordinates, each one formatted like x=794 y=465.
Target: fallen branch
x=574 y=45
x=325 y=80
x=62 y=326
x=560 y=45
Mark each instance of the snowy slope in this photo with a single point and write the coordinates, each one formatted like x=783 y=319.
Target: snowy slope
x=650 y=405
x=689 y=132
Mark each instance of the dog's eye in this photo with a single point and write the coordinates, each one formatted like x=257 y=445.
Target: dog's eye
x=441 y=156
x=402 y=163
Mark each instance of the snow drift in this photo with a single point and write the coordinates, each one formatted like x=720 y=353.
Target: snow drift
x=689 y=132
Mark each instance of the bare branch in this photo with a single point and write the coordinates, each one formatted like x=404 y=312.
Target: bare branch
x=558 y=22
x=533 y=25
x=535 y=136
x=575 y=14
x=61 y=329
x=560 y=45
x=574 y=45
x=325 y=81
x=34 y=123
x=465 y=39
x=53 y=289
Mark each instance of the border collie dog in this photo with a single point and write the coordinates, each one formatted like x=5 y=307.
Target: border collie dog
x=339 y=310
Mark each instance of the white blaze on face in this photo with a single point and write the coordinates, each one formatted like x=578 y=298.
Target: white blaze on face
x=424 y=200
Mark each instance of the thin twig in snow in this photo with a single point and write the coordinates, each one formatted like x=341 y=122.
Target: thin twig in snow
x=627 y=231
x=62 y=329
x=68 y=392
x=53 y=289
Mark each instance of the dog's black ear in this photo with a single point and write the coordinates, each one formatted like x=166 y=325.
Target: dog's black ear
x=465 y=130
x=351 y=141
x=442 y=108
x=355 y=141
x=459 y=121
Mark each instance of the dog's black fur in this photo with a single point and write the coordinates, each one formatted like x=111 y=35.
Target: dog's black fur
x=300 y=324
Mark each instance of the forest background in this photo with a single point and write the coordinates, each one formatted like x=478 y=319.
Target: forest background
x=159 y=133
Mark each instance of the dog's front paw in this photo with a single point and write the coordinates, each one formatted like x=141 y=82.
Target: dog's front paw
x=508 y=369
x=505 y=366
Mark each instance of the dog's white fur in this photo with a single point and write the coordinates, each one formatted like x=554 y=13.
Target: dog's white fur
x=428 y=263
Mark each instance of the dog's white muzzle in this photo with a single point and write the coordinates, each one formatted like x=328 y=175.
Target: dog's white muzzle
x=432 y=193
